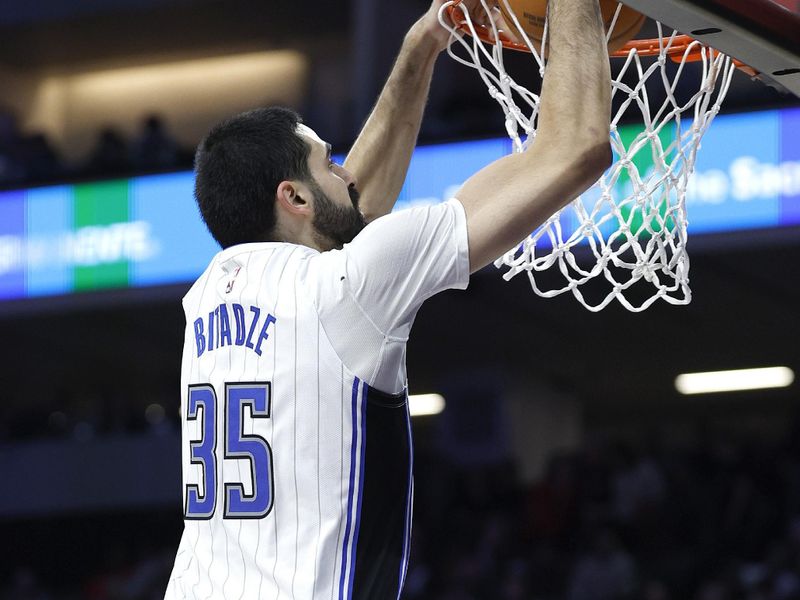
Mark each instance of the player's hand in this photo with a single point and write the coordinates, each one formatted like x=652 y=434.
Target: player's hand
x=430 y=27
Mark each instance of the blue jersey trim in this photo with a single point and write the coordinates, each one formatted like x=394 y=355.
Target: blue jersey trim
x=360 y=484
x=353 y=442
x=409 y=502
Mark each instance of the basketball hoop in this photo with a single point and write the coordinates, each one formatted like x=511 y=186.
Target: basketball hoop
x=633 y=219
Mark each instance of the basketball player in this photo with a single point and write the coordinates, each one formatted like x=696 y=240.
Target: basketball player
x=297 y=456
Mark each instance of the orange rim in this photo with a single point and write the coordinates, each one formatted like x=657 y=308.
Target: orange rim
x=647 y=47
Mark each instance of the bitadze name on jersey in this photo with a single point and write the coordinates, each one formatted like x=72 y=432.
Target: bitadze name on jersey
x=218 y=330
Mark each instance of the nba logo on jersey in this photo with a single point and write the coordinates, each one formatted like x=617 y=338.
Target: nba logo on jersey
x=232 y=280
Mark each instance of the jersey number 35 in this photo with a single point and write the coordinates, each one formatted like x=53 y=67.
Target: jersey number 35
x=243 y=402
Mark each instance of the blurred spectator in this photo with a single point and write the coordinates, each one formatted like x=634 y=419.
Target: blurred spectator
x=141 y=580
x=638 y=485
x=714 y=590
x=41 y=161
x=12 y=167
x=606 y=573
x=552 y=503
x=154 y=149
x=655 y=590
x=109 y=155
x=25 y=586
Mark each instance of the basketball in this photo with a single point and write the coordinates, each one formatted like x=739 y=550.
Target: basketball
x=531 y=15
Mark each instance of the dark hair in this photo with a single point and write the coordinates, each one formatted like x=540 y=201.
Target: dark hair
x=238 y=167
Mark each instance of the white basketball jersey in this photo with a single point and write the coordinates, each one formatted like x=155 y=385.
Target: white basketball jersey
x=297 y=455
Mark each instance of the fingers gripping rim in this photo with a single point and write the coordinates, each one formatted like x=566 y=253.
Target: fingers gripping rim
x=649 y=47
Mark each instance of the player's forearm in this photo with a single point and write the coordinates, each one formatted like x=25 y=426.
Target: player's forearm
x=577 y=80
x=507 y=200
x=380 y=156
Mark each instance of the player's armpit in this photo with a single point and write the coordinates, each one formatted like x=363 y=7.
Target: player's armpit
x=510 y=198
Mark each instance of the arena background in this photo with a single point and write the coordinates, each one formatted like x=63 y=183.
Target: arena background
x=565 y=464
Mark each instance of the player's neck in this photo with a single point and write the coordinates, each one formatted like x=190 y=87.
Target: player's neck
x=304 y=236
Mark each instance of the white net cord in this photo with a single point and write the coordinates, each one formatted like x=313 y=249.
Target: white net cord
x=632 y=222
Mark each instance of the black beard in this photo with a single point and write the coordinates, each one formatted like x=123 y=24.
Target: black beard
x=335 y=225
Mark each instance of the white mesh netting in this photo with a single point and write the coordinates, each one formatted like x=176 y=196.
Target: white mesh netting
x=627 y=233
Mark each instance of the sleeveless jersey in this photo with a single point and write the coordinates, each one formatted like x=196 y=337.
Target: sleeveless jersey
x=297 y=454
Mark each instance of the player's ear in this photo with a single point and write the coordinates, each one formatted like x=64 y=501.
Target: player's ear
x=293 y=196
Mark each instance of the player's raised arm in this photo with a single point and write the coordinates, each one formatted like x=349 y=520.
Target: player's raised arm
x=380 y=156
x=507 y=200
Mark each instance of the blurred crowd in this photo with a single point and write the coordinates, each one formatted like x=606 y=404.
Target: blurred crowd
x=87 y=413
x=719 y=520
x=29 y=159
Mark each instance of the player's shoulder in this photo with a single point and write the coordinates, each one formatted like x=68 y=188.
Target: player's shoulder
x=420 y=217
x=409 y=229
x=420 y=211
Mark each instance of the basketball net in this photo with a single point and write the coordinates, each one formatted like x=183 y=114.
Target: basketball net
x=632 y=221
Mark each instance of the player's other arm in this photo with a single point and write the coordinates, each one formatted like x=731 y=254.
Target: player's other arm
x=507 y=200
x=380 y=156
